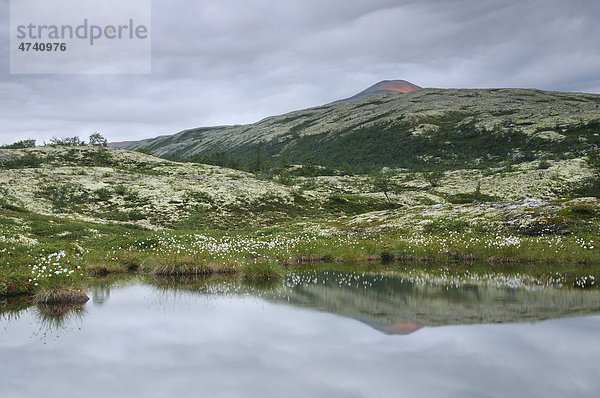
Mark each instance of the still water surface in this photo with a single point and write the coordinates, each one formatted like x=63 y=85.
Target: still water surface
x=317 y=334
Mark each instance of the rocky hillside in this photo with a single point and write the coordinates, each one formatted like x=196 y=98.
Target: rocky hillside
x=102 y=185
x=427 y=128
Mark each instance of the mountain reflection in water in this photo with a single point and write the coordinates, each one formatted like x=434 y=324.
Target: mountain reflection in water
x=390 y=304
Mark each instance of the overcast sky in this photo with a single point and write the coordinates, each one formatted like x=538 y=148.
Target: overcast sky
x=238 y=61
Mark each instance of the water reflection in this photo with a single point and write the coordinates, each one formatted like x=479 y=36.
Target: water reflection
x=100 y=294
x=390 y=304
x=48 y=319
x=55 y=318
x=100 y=287
x=395 y=305
x=12 y=307
x=299 y=337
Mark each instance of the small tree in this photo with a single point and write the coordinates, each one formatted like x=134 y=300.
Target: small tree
x=258 y=163
x=434 y=176
x=96 y=139
x=383 y=182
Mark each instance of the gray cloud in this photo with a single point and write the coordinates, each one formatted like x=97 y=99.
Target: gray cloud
x=233 y=61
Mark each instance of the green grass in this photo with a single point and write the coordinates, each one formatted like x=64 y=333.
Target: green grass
x=261 y=271
x=263 y=255
x=186 y=265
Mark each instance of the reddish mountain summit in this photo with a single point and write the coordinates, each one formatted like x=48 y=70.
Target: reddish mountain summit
x=386 y=86
x=392 y=85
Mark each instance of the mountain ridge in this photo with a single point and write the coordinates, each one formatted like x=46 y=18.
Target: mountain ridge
x=384 y=86
x=450 y=127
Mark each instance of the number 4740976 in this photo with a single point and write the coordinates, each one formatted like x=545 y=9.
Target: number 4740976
x=43 y=46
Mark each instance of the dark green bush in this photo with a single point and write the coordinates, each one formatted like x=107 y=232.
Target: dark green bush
x=29 y=160
x=20 y=145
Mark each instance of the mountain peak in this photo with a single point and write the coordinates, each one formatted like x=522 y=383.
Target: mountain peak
x=392 y=85
x=386 y=86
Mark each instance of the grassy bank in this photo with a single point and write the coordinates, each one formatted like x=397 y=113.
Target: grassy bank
x=88 y=249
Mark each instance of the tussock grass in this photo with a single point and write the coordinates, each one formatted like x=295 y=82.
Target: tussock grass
x=187 y=266
x=312 y=258
x=61 y=295
x=115 y=264
x=227 y=268
x=261 y=271
x=131 y=261
x=103 y=269
x=181 y=270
